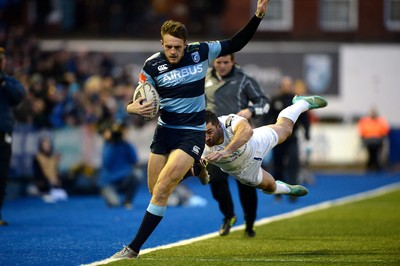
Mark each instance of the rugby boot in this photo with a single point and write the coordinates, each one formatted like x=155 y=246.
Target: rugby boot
x=314 y=101
x=295 y=190
x=125 y=253
x=226 y=226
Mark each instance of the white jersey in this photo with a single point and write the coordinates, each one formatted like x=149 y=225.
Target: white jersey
x=245 y=163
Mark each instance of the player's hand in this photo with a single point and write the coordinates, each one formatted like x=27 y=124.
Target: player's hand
x=216 y=155
x=139 y=108
x=204 y=162
x=246 y=113
x=262 y=7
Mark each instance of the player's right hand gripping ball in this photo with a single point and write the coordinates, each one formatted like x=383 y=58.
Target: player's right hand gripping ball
x=150 y=93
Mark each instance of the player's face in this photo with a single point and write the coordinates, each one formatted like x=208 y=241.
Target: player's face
x=223 y=65
x=287 y=85
x=214 y=135
x=173 y=47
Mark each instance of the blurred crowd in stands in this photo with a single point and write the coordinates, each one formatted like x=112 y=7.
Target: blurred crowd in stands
x=67 y=88
x=117 y=18
x=74 y=88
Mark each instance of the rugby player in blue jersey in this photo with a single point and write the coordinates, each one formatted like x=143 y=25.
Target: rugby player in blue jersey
x=178 y=74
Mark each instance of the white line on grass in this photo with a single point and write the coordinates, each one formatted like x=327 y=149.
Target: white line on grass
x=331 y=203
x=317 y=207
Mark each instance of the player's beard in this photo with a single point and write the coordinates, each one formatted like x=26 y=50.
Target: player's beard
x=210 y=143
x=216 y=140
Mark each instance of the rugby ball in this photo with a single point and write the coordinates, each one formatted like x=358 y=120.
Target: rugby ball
x=147 y=91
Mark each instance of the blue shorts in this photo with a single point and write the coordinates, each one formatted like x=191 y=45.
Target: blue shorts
x=167 y=139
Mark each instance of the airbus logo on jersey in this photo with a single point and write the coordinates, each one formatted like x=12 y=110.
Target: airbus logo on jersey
x=183 y=73
x=162 y=68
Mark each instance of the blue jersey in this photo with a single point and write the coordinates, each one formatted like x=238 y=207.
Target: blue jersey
x=181 y=86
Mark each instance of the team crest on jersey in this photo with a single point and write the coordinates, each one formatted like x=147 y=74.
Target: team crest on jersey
x=196 y=57
x=228 y=122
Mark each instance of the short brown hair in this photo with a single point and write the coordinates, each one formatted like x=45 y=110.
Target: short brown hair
x=211 y=118
x=175 y=29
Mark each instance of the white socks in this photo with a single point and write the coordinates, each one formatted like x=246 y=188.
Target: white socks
x=294 y=111
x=281 y=188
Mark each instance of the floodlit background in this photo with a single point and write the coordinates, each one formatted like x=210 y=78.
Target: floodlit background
x=80 y=62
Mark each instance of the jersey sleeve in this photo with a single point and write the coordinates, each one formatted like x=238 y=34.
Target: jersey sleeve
x=214 y=51
x=261 y=103
x=241 y=38
x=206 y=151
x=144 y=77
x=231 y=121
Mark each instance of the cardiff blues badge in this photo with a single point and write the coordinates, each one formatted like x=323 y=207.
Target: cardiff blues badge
x=196 y=57
x=318 y=72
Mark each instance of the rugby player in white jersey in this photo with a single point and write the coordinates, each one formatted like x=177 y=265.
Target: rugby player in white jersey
x=238 y=149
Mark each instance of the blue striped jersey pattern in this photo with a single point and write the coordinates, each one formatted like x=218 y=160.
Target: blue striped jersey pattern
x=181 y=86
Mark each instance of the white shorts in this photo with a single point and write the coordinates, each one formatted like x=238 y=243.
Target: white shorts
x=264 y=140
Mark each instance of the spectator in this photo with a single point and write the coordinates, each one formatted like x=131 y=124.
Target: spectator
x=11 y=94
x=46 y=173
x=286 y=157
x=373 y=130
x=305 y=175
x=117 y=169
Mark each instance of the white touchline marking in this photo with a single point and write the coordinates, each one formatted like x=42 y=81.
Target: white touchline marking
x=320 y=206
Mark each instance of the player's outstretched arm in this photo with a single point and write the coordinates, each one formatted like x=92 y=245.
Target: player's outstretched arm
x=242 y=37
x=242 y=133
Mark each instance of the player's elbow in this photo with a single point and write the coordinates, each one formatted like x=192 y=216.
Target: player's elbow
x=288 y=132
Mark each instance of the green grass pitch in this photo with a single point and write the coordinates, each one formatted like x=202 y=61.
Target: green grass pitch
x=365 y=232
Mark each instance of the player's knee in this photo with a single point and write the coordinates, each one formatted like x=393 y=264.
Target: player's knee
x=160 y=198
x=288 y=131
x=162 y=192
x=284 y=133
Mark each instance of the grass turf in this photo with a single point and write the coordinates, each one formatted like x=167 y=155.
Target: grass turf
x=366 y=232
